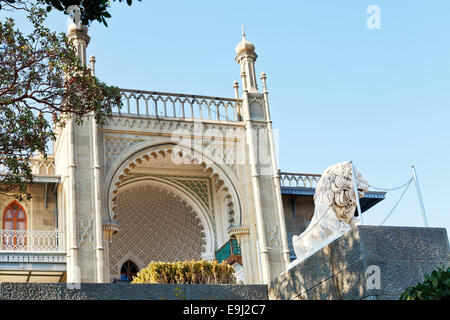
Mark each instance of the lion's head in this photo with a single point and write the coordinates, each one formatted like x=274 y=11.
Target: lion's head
x=336 y=188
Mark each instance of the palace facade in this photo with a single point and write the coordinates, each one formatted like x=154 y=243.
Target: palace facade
x=169 y=177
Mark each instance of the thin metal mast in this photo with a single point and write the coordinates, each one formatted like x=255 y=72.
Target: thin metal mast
x=419 y=195
x=356 y=192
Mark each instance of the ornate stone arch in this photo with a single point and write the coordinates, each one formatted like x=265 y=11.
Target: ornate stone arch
x=225 y=178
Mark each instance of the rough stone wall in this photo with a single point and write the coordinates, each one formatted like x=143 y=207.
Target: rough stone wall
x=345 y=268
x=115 y=291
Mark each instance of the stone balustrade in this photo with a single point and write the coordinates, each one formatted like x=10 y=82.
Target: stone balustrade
x=288 y=179
x=31 y=241
x=43 y=167
x=179 y=106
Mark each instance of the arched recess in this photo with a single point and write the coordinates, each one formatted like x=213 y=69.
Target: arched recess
x=224 y=177
x=184 y=196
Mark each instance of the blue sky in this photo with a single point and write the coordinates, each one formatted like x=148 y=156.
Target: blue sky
x=338 y=91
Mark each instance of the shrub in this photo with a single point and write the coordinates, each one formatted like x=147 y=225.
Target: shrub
x=187 y=272
x=435 y=287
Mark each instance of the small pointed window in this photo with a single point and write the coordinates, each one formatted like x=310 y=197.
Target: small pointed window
x=14 y=221
x=128 y=271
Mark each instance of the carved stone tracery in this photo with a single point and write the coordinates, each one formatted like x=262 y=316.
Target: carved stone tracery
x=186 y=158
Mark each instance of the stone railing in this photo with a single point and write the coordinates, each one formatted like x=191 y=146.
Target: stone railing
x=43 y=167
x=288 y=179
x=31 y=241
x=180 y=106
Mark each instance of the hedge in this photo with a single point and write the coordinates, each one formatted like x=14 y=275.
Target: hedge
x=187 y=272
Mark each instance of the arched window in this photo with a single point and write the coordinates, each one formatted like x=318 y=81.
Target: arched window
x=14 y=221
x=128 y=271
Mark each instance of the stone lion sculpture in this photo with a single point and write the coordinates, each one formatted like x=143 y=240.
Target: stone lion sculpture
x=334 y=212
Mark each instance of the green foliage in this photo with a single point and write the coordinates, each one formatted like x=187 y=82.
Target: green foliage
x=188 y=272
x=435 y=287
x=42 y=84
x=89 y=10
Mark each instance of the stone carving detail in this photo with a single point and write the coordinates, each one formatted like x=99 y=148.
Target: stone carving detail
x=272 y=236
x=186 y=158
x=200 y=128
x=239 y=231
x=225 y=200
x=230 y=158
x=334 y=212
x=86 y=229
x=155 y=225
x=257 y=100
x=114 y=147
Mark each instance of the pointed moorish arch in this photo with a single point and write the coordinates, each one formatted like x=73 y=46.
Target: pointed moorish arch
x=131 y=257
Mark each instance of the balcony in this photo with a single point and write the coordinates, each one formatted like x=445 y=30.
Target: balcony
x=32 y=256
x=31 y=241
x=230 y=252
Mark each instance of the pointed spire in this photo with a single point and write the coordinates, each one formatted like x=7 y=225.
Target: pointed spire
x=246 y=57
x=92 y=62
x=244 y=45
x=236 y=89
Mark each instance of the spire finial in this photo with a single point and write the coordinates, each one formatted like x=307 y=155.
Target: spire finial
x=243 y=32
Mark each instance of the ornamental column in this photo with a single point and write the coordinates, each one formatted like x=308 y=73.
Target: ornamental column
x=97 y=171
x=275 y=175
x=266 y=207
x=246 y=57
x=79 y=38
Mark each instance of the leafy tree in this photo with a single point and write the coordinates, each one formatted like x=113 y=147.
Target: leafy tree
x=90 y=10
x=435 y=287
x=42 y=84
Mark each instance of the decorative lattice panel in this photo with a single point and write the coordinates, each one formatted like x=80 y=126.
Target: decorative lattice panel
x=199 y=187
x=155 y=226
x=115 y=146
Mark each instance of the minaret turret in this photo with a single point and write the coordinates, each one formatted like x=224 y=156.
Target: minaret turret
x=246 y=57
x=78 y=36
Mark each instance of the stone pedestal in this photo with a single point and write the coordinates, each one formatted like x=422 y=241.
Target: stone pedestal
x=371 y=262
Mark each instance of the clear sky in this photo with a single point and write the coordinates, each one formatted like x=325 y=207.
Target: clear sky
x=338 y=91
